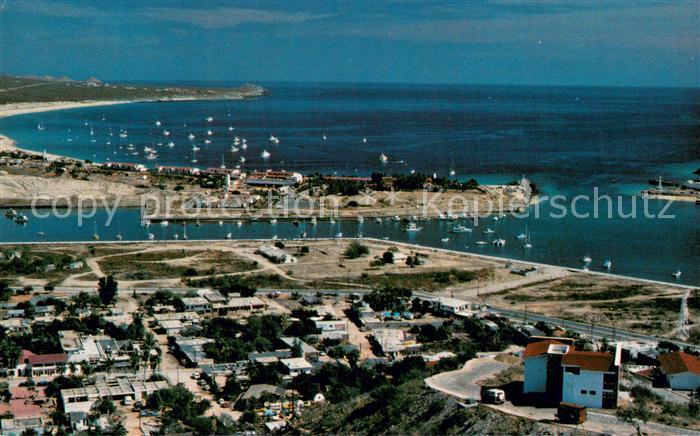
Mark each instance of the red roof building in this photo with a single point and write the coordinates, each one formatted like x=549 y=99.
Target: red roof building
x=682 y=370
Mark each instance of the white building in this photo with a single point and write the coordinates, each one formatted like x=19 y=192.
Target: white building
x=555 y=371
x=296 y=366
x=196 y=304
x=682 y=370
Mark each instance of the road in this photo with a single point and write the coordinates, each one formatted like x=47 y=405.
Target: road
x=597 y=331
x=462 y=383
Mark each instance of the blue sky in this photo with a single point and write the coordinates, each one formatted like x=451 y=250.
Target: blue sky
x=632 y=43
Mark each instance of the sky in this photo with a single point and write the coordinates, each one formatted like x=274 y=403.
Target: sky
x=616 y=43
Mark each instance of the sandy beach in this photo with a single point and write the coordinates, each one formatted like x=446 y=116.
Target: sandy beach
x=9 y=110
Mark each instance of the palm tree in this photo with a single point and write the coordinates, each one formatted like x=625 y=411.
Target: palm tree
x=135 y=361
x=109 y=363
x=61 y=368
x=72 y=368
x=155 y=361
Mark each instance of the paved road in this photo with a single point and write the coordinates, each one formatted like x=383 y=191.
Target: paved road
x=462 y=383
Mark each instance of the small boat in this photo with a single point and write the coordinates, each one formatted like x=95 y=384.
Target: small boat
x=11 y=213
x=313 y=221
x=176 y=236
x=378 y=220
x=118 y=237
x=151 y=156
x=676 y=274
x=221 y=223
x=40 y=234
x=209 y=132
x=325 y=137
x=195 y=148
x=230 y=128
x=40 y=126
x=460 y=229
x=481 y=242
x=607 y=264
x=242 y=159
x=210 y=119
x=521 y=236
x=151 y=236
x=499 y=242
x=166 y=133
x=489 y=231
x=21 y=219
x=207 y=141
x=123 y=134
x=360 y=219
x=413 y=228
x=265 y=154
x=190 y=136
x=229 y=235
x=383 y=158
x=338 y=235
x=239 y=223
x=273 y=221
x=171 y=144
x=158 y=123
x=587 y=259
x=164 y=223
x=273 y=139
x=364 y=140
x=445 y=240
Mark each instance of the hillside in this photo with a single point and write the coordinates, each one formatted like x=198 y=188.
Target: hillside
x=412 y=408
x=35 y=89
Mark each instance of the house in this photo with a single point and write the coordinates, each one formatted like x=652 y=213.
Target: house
x=396 y=343
x=182 y=171
x=333 y=329
x=273 y=179
x=449 y=306
x=251 y=304
x=681 y=370
x=274 y=254
x=18 y=427
x=192 y=350
x=41 y=364
x=195 y=304
x=555 y=372
x=78 y=264
x=256 y=391
x=296 y=366
x=307 y=351
x=124 y=166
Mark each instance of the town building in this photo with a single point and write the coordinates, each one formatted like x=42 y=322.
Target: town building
x=41 y=365
x=274 y=254
x=555 y=372
x=195 y=304
x=307 y=351
x=82 y=399
x=296 y=366
x=396 y=343
x=273 y=179
x=681 y=370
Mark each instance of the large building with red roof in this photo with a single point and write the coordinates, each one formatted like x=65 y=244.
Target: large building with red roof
x=555 y=371
x=41 y=364
x=682 y=370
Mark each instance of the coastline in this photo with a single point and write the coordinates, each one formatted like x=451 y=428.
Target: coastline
x=9 y=110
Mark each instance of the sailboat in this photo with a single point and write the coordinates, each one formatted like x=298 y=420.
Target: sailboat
x=528 y=242
x=158 y=123
x=273 y=139
x=210 y=119
x=265 y=154
x=223 y=166
x=383 y=158
x=40 y=126
x=194 y=154
x=452 y=168
x=190 y=136
x=677 y=274
x=184 y=230
x=95 y=236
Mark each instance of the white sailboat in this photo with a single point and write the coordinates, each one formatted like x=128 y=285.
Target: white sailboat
x=190 y=136
x=40 y=126
x=265 y=154
x=223 y=166
x=210 y=119
x=273 y=139
x=528 y=241
x=158 y=123
x=383 y=158
x=452 y=168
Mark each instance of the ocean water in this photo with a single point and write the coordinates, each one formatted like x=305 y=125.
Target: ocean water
x=567 y=140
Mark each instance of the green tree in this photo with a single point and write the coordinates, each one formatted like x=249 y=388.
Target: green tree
x=5 y=291
x=355 y=250
x=104 y=406
x=107 y=288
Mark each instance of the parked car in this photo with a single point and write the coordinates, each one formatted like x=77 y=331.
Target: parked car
x=493 y=396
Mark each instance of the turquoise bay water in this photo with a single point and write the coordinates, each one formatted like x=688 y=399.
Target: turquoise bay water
x=567 y=140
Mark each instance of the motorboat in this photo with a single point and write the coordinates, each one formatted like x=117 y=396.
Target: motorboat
x=412 y=227
x=460 y=229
